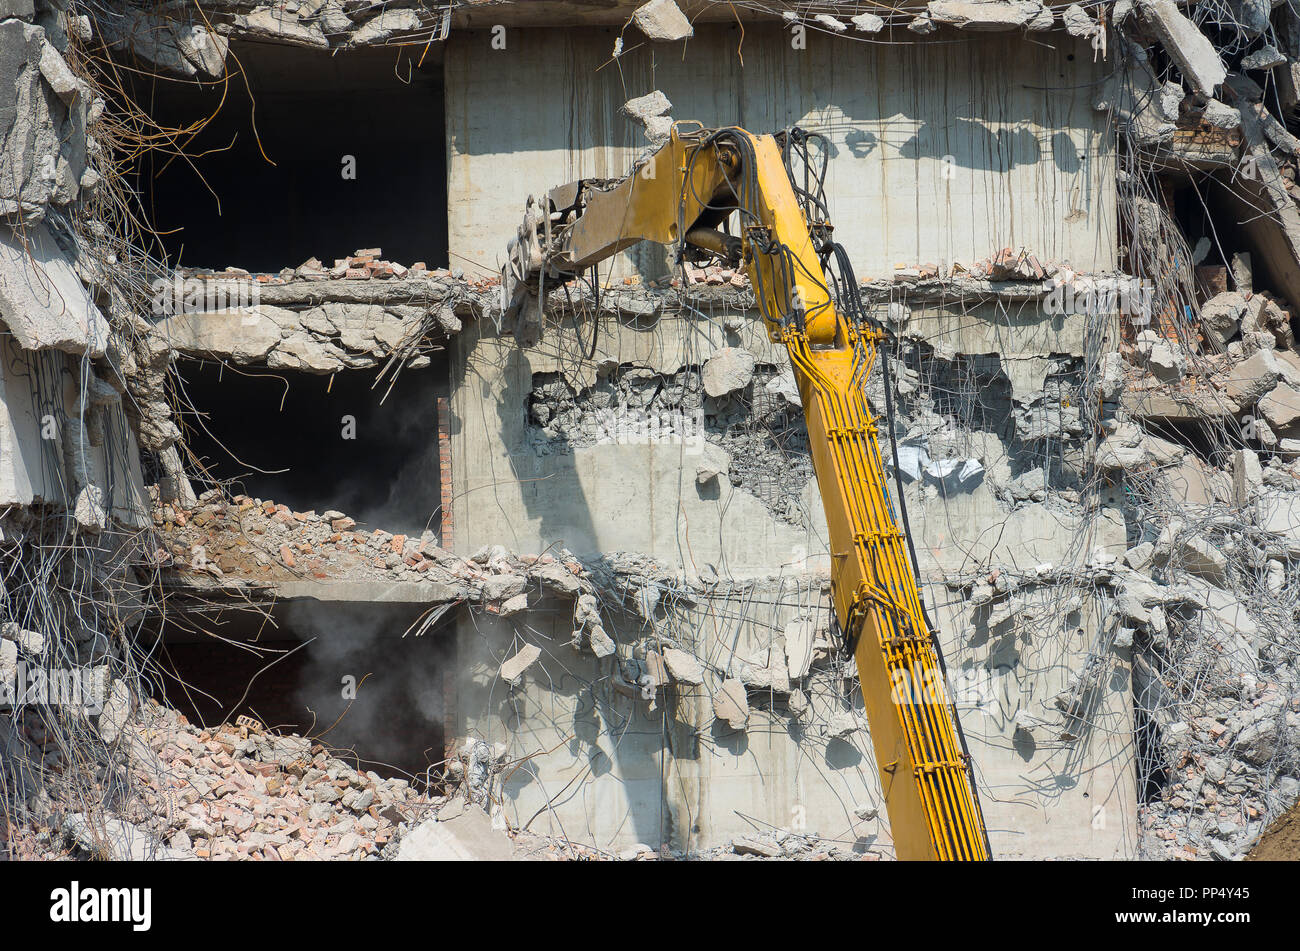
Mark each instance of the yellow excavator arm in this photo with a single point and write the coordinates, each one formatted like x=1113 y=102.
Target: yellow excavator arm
x=681 y=195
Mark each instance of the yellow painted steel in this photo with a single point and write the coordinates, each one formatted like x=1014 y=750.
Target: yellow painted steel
x=925 y=776
x=923 y=772
x=932 y=809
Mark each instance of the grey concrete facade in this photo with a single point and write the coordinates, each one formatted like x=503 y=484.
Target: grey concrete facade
x=645 y=498
x=604 y=767
x=940 y=152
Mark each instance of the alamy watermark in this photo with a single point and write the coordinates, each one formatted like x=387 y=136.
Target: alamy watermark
x=189 y=295
x=82 y=687
x=626 y=426
x=1102 y=296
x=84 y=903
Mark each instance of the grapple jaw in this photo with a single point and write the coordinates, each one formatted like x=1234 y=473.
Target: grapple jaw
x=521 y=275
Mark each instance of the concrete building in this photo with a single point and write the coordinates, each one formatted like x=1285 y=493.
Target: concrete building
x=583 y=584
x=927 y=166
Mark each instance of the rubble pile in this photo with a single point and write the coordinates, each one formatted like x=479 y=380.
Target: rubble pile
x=249 y=546
x=739 y=420
x=236 y=792
x=361 y=265
x=358 y=313
x=249 y=541
x=1216 y=676
x=1205 y=593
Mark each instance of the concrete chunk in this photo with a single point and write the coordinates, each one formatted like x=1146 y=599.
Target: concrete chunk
x=682 y=666
x=503 y=587
x=1199 y=557
x=745 y=846
x=1247 y=477
x=843 y=724
x=1266 y=57
x=388 y=23
x=8 y=664
x=556 y=578
x=867 y=23
x=1257 y=743
x=114 y=839
x=272 y=24
x=662 y=20
x=983 y=14
x=1078 y=22
x=1221 y=316
x=42 y=301
x=514 y=605
x=731 y=704
x=512 y=670
x=1252 y=378
x=644 y=107
x=1225 y=117
x=1278 y=514
x=651 y=113
x=1281 y=407
x=468 y=837
x=799 y=637
x=728 y=370
x=1186 y=45
x=1139 y=556
x=1164 y=362
x=57 y=74
x=602 y=645
x=717 y=462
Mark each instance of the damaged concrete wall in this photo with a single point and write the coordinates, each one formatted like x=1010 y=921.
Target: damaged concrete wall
x=619 y=770
x=548 y=452
x=941 y=153
x=617 y=495
x=926 y=178
x=49 y=455
x=64 y=439
x=647 y=494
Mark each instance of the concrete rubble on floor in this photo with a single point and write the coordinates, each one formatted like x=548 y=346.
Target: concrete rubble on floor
x=259 y=550
x=239 y=792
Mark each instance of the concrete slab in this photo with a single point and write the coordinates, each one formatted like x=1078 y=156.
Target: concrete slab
x=462 y=834
x=42 y=301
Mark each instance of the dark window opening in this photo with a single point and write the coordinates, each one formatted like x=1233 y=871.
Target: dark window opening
x=318 y=442
x=340 y=672
x=317 y=117
x=1152 y=766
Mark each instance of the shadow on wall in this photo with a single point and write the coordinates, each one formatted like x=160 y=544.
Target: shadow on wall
x=892 y=101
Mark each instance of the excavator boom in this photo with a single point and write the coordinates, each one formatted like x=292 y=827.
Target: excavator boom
x=681 y=195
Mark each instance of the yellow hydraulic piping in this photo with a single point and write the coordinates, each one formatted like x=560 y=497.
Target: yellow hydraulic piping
x=687 y=188
x=932 y=809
